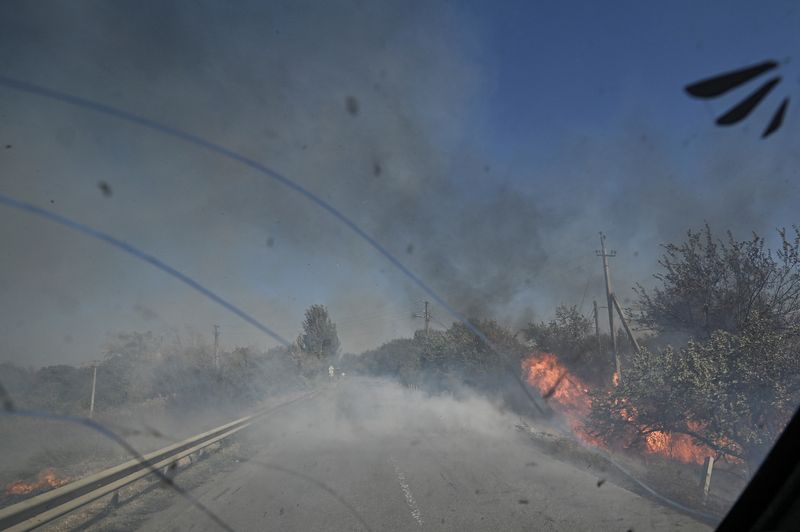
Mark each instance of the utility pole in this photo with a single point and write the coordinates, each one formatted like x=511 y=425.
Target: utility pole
x=610 y=298
x=426 y=315
x=94 y=386
x=634 y=343
x=216 y=347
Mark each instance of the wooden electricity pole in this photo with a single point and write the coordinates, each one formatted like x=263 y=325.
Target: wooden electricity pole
x=216 y=347
x=610 y=297
x=426 y=315
x=94 y=386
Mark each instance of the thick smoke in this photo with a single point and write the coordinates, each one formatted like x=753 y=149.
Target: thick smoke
x=373 y=107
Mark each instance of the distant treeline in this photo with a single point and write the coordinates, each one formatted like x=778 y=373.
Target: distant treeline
x=138 y=367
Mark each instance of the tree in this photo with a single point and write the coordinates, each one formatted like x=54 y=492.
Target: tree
x=736 y=382
x=712 y=284
x=446 y=360
x=463 y=348
x=126 y=373
x=570 y=335
x=398 y=358
x=732 y=392
x=319 y=341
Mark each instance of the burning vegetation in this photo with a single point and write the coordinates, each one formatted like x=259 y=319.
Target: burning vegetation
x=572 y=398
x=716 y=372
x=726 y=392
x=46 y=480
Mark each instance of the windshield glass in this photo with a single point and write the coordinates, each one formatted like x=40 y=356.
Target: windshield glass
x=453 y=265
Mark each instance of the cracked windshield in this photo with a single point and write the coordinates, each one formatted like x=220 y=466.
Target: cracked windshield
x=394 y=265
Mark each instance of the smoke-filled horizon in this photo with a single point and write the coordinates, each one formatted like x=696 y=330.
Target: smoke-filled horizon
x=483 y=146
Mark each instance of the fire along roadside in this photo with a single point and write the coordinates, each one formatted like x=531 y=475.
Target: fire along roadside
x=570 y=397
x=41 y=509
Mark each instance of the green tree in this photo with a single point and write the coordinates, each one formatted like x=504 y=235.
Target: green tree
x=399 y=358
x=571 y=336
x=446 y=360
x=126 y=373
x=731 y=392
x=318 y=344
x=736 y=382
x=462 y=348
x=709 y=284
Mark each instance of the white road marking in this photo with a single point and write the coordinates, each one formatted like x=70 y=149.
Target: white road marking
x=412 y=504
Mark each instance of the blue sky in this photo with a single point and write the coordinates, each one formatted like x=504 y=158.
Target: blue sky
x=577 y=63
x=493 y=141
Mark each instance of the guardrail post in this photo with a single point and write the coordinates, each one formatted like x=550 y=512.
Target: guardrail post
x=708 y=469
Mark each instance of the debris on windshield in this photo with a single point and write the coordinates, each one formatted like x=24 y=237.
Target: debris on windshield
x=721 y=84
x=105 y=188
x=351 y=104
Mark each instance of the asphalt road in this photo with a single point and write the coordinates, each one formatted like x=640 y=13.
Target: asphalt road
x=365 y=456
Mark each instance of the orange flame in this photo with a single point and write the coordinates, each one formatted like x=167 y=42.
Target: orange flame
x=47 y=479
x=679 y=447
x=546 y=374
x=569 y=396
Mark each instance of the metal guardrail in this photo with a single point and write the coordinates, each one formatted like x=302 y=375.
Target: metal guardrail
x=41 y=509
